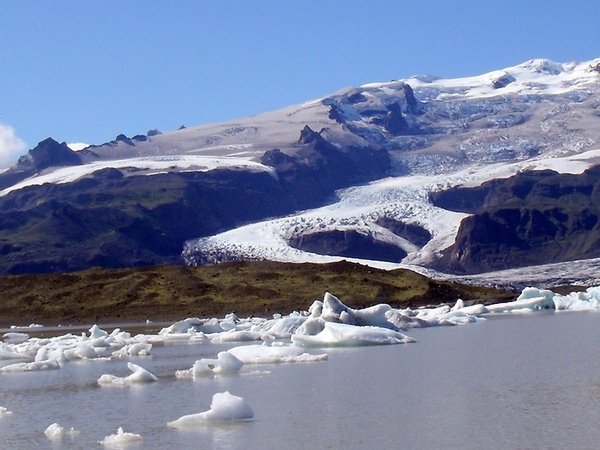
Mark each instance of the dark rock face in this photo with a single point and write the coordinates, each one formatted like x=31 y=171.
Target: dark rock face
x=318 y=167
x=114 y=221
x=395 y=123
x=123 y=138
x=412 y=104
x=531 y=218
x=503 y=81
x=348 y=243
x=412 y=233
x=139 y=138
x=47 y=153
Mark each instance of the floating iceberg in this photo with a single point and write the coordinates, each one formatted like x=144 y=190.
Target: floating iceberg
x=327 y=323
x=31 y=366
x=579 y=301
x=15 y=338
x=139 y=375
x=262 y=354
x=135 y=349
x=4 y=412
x=11 y=351
x=224 y=407
x=343 y=335
x=120 y=438
x=55 y=431
x=226 y=363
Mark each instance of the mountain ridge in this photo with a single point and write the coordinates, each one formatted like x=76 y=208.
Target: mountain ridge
x=338 y=167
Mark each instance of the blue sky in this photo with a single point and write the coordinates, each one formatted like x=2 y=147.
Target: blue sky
x=86 y=71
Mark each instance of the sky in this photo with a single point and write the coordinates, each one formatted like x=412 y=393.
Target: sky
x=86 y=71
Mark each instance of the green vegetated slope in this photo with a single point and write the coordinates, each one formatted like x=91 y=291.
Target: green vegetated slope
x=172 y=292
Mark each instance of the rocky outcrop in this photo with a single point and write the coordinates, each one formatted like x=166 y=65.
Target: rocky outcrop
x=394 y=122
x=48 y=153
x=412 y=104
x=502 y=80
x=529 y=219
x=348 y=243
x=319 y=167
x=415 y=234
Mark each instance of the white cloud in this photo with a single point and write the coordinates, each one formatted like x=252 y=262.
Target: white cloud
x=11 y=147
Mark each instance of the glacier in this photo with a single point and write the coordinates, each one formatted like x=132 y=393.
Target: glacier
x=461 y=132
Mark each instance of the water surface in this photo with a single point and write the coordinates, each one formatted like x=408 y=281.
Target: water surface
x=520 y=382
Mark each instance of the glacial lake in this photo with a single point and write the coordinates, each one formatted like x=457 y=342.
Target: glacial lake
x=519 y=381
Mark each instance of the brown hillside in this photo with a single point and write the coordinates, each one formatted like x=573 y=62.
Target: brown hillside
x=173 y=292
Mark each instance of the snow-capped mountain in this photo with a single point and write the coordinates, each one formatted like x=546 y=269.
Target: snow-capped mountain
x=349 y=175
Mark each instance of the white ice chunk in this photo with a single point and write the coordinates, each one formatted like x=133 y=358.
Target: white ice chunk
x=96 y=332
x=375 y=315
x=404 y=319
x=263 y=354
x=192 y=325
x=83 y=350
x=55 y=431
x=11 y=352
x=120 y=438
x=283 y=328
x=312 y=326
x=579 y=301
x=236 y=336
x=4 y=412
x=15 y=338
x=135 y=349
x=335 y=311
x=224 y=407
x=226 y=363
x=531 y=299
x=139 y=375
x=343 y=335
x=31 y=366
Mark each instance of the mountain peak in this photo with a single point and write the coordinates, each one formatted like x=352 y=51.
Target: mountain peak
x=308 y=136
x=49 y=153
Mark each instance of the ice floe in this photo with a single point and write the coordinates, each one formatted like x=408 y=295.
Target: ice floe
x=226 y=363
x=120 y=438
x=224 y=407
x=139 y=375
x=48 y=364
x=262 y=354
x=55 y=431
x=255 y=340
x=341 y=334
x=293 y=338
x=15 y=337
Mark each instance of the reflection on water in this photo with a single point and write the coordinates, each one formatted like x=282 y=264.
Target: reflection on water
x=516 y=382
